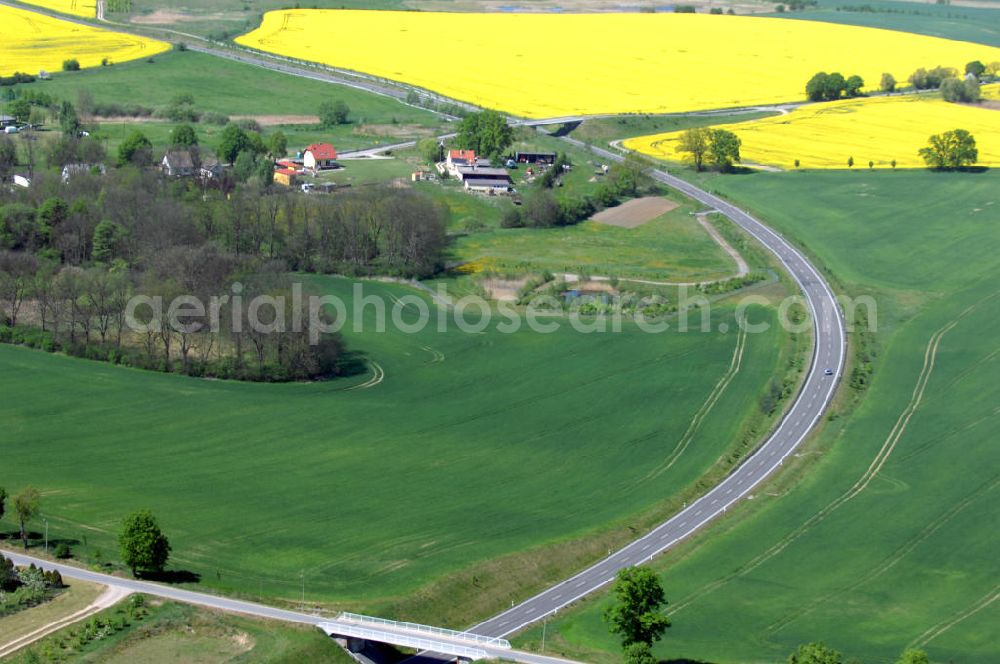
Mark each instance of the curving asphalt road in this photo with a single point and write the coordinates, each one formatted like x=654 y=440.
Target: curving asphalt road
x=805 y=412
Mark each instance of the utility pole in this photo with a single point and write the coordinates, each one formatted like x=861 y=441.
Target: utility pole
x=545 y=623
x=46 y=535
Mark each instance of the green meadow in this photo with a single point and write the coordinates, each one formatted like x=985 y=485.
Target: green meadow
x=473 y=447
x=882 y=534
x=237 y=90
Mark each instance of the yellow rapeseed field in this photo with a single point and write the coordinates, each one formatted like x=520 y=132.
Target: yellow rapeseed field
x=878 y=129
x=87 y=8
x=30 y=42
x=550 y=65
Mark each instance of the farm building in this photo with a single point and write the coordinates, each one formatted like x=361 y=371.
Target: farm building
x=285 y=176
x=178 y=163
x=69 y=170
x=319 y=156
x=490 y=186
x=545 y=158
x=481 y=173
x=7 y=121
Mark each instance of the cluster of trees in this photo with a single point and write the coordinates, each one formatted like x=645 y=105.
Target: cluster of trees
x=955 y=88
x=542 y=209
x=487 y=133
x=719 y=148
x=952 y=150
x=930 y=79
x=333 y=113
x=24 y=588
x=72 y=255
x=961 y=90
x=828 y=87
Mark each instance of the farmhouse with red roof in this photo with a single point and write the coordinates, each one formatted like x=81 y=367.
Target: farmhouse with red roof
x=318 y=156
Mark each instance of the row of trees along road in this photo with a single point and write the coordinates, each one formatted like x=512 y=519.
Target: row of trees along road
x=141 y=543
x=637 y=618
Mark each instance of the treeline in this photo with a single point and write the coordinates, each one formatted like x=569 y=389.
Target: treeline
x=829 y=87
x=85 y=313
x=21 y=101
x=74 y=253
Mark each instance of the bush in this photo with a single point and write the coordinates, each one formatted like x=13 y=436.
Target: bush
x=212 y=117
x=71 y=65
x=63 y=551
x=512 y=219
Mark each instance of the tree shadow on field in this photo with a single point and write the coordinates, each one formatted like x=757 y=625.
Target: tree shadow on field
x=732 y=170
x=683 y=661
x=351 y=363
x=172 y=576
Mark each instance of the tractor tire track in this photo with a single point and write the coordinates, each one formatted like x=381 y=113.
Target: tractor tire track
x=706 y=408
x=930 y=356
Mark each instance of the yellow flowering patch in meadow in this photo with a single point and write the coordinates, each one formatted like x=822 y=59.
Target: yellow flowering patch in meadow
x=30 y=42
x=85 y=8
x=878 y=129
x=554 y=65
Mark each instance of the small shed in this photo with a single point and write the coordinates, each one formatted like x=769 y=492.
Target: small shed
x=285 y=176
x=544 y=158
x=70 y=170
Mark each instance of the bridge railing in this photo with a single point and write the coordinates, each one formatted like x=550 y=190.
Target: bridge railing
x=478 y=639
x=349 y=629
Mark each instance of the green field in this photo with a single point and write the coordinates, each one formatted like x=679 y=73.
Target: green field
x=972 y=24
x=473 y=447
x=238 y=90
x=869 y=562
x=163 y=632
x=601 y=131
x=672 y=247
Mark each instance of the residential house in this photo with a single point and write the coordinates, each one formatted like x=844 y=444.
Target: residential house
x=319 y=156
x=457 y=159
x=178 y=163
